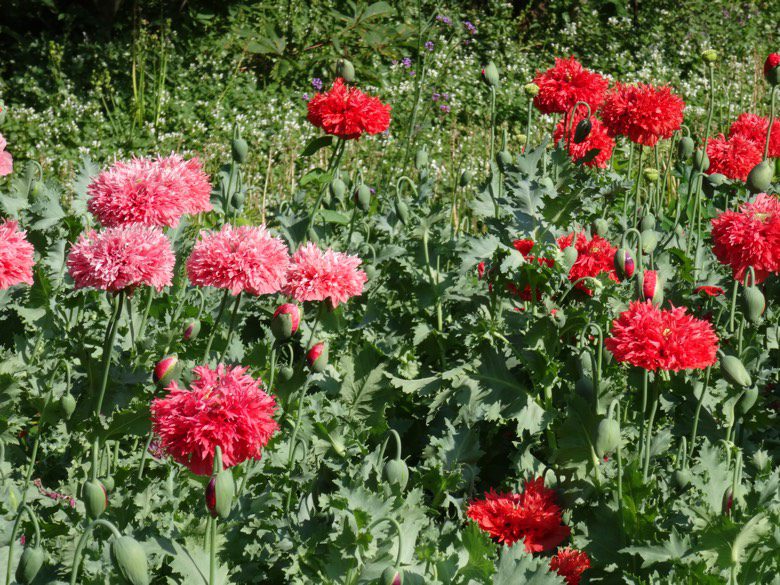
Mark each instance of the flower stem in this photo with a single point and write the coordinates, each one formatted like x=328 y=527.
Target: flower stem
x=212 y=551
x=528 y=124
x=698 y=410
x=231 y=327
x=771 y=121
x=645 y=375
x=214 y=327
x=108 y=345
x=638 y=184
x=333 y=166
x=653 y=409
x=733 y=306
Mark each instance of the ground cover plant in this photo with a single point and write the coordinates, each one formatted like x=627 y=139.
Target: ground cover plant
x=389 y=293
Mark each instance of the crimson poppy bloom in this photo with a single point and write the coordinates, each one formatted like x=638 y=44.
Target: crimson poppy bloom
x=570 y=564
x=598 y=139
x=347 y=112
x=643 y=113
x=594 y=257
x=566 y=83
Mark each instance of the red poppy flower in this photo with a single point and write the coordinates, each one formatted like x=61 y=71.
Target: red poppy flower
x=598 y=139
x=710 y=291
x=660 y=339
x=524 y=246
x=642 y=112
x=570 y=564
x=753 y=128
x=734 y=157
x=593 y=257
x=347 y=112
x=565 y=84
x=531 y=516
x=749 y=237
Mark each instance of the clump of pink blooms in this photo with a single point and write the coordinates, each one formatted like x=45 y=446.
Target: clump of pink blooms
x=16 y=256
x=6 y=160
x=122 y=258
x=315 y=275
x=149 y=191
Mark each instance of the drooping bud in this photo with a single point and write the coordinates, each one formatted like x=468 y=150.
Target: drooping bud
x=130 y=561
x=709 y=56
x=67 y=405
x=346 y=70
x=30 y=564
x=362 y=197
x=685 y=147
x=421 y=159
x=239 y=148
x=712 y=182
x=286 y=320
x=647 y=223
x=337 y=188
x=754 y=303
x=531 y=89
x=582 y=130
x=191 y=329
x=701 y=162
x=396 y=472
x=317 y=357
x=570 y=256
x=624 y=264
x=650 y=287
x=759 y=179
x=95 y=498
x=392 y=576
x=402 y=211
x=108 y=483
x=601 y=227
x=727 y=503
x=286 y=373
x=734 y=371
x=649 y=241
x=490 y=75
x=220 y=492
x=465 y=178
x=607 y=436
x=166 y=370
x=772 y=69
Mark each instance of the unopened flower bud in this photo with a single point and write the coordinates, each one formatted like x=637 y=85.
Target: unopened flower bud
x=709 y=56
x=346 y=70
x=490 y=75
x=734 y=371
x=624 y=264
x=317 y=357
x=392 y=576
x=286 y=320
x=67 y=405
x=130 y=560
x=362 y=197
x=754 y=303
x=650 y=287
x=759 y=179
x=166 y=370
x=95 y=498
x=191 y=329
x=465 y=178
x=239 y=148
x=337 y=188
x=396 y=473
x=220 y=492
x=582 y=130
x=531 y=89
x=30 y=564
x=772 y=69
x=685 y=147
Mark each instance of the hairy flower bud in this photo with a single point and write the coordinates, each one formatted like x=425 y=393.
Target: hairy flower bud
x=685 y=147
x=601 y=227
x=531 y=89
x=95 y=498
x=754 y=303
x=709 y=56
x=650 y=287
x=337 y=188
x=624 y=264
x=607 y=436
x=759 y=179
x=67 y=405
x=582 y=130
x=701 y=162
x=396 y=472
x=734 y=371
x=346 y=70
x=362 y=197
x=30 y=564
x=392 y=576
x=465 y=178
x=239 y=148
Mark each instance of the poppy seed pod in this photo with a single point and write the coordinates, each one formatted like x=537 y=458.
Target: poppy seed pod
x=465 y=178
x=582 y=130
x=362 y=197
x=734 y=372
x=624 y=264
x=396 y=472
x=239 y=148
x=421 y=159
x=647 y=223
x=191 y=329
x=317 y=357
x=346 y=70
x=754 y=303
x=759 y=179
x=701 y=162
x=95 y=498
x=392 y=576
x=570 y=256
x=531 y=89
x=220 y=492
x=685 y=147
x=337 y=188
x=130 y=561
x=649 y=241
x=67 y=405
x=709 y=56
x=166 y=370
x=30 y=564
x=601 y=227
x=286 y=320
x=490 y=75
x=607 y=436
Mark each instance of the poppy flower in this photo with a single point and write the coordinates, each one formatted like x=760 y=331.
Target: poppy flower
x=594 y=256
x=734 y=157
x=566 y=83
x=16 y=255
x=598 y=139
x=570 y=564
x=347 y=112
x=643 y=113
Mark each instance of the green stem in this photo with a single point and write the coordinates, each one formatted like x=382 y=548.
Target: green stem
x=231 y=326
x=771 y=121
x=645 y=375
x=23 y=509
x=83 y=543
x=711 y=106
x=733 y=306
x=332 y=166
x=108 y=345
x=398 y=532
x=145 y=315
x=653 y=409
x=637 y=185
x=698 y=410
x=144 y=455
x=351 y=228
x=212 y=551
x=214 y=327
x=528 y=124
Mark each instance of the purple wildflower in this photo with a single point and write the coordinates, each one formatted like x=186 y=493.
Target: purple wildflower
x=444 y=19
x=429 y=45
x=444 y=108
x=406 y=62
x=316 y=83
x=472 y=30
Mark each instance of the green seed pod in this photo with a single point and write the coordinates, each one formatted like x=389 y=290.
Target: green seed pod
x=363 y=197
x=286 y=373
x=220 y=492
x=421 y=159
x=402 y=211
x=685 y=148
x=465 y=178
x=649 y=241
x=239 y=149
x=601 y=227
x=191 y=329
x=582 y=131
x=647 y=223
x=95 y=498
x=67 y=405
x=531 y=89
x=396 y=472
x=346 y=70
x=681 y=478
x=760 y=177
x=30 y=563
x=108 y=483
x=754 y=303
x=392 y=576
x=130 y=561
x=504 y=159
x=747 y=401
x=238 y=199
x=490 y=75
x=734 y=372
x=607 y=436
x=337 y=188
x=701 y=162
x=712 y=182
x=570 y=256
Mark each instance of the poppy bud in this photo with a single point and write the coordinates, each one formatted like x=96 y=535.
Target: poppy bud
x=582 y=130
x=239 y=148
x=337 y=188
x=624 y=264
x=685 y=147
x=362 y=197
x=712 y=182
x=396 y=472
x=392 y=576
x=649 y=241
x=748 y=400
x=601 y=227
x=651 y=174
x=681 y=478
x=95 y=498
x=647 y=223
x=490 y=75
x=734 y=371
x=759 y=179
x=650 y=287
x=465 y=178
x=286 y=373
x=607 y=436
x=570 y=256
x=166 y=370
x=402 y=211
x=191 y=329
x=286 y=320
x=130 y=561
x=421 y=159
x=727 y=503
x=754 y=303
x=504 y=159
x=67 y=405
x=220 y=492
x=108 y=483
x=346 y=70
x=531 y=89
x=772 y=69
x=317 y=357
x=701 y=162
x=30 y=563
x=709 y=56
